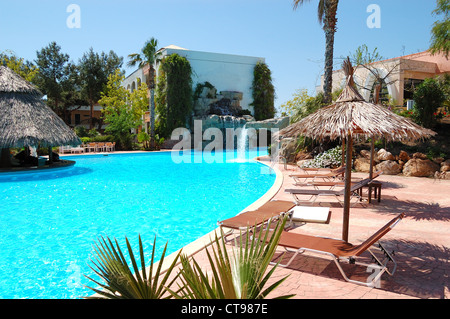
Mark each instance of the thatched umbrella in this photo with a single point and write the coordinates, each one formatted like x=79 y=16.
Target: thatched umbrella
x=350 y=116
x=25 y=120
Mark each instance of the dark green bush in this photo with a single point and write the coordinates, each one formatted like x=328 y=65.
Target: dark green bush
x=428 y=97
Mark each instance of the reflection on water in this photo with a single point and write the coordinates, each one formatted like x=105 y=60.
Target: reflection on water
x=47 y=174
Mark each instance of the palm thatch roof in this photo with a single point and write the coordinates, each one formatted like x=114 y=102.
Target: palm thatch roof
x=25 y=120
x=351 y=115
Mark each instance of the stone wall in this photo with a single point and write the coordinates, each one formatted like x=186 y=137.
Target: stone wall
x=222 y=103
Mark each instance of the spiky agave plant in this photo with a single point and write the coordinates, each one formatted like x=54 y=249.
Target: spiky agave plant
x=123 y=282
x=240 y=275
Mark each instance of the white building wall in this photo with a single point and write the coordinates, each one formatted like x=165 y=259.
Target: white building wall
x=226 y=72
x=132 y=81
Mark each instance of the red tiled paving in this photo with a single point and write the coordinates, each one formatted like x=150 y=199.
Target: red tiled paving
x=421 y=242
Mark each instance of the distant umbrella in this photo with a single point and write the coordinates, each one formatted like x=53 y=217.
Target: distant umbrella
x=25 y=120
x=351 y=116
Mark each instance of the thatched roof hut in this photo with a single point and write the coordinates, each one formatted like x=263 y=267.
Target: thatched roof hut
x=349 y=117
x=25 y=120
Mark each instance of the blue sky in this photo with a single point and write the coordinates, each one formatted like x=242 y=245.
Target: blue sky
x=292 y=42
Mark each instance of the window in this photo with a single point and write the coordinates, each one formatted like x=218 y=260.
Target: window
x=384 y=93
x=409 y=87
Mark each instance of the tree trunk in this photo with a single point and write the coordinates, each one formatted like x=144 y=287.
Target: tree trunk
x=91 y=122
x=328 y=74
x=329 y=27
x=152 y=114
x=151 y=74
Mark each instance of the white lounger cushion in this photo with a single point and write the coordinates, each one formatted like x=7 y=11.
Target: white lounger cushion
x=309 y=214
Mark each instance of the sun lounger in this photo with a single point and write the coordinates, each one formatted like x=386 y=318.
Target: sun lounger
x=332 y=175
x=334 y=184
x=319 y=170
x=269 y=211
x=316 y=193
x=340 y=250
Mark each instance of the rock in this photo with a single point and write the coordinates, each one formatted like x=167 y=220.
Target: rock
x=445 y=166
x=366 y=155
x=403 y=156
x=383 y=155
x=362 y=164
x=288 y=150
x=420 y=156
x=420 y=167
x=438 y=160
x=389 y=167
x=442 y=175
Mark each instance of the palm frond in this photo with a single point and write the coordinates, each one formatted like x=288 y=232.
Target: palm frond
x=241 y=274
x=121 y=281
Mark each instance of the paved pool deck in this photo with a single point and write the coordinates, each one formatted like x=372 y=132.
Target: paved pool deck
x=421 y=242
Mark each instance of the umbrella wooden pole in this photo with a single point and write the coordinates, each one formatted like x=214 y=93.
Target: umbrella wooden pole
x=372 y=155
x=348 y=177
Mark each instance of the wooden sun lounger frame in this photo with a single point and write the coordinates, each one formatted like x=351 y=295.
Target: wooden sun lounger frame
x=332 y=175
x=265 y=214
x=339 y=250
x=316 y=193
x=334 y=184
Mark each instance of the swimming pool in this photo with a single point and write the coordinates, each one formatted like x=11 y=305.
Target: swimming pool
x=50 y=220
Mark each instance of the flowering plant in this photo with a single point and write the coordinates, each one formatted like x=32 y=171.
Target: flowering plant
x=328 y=159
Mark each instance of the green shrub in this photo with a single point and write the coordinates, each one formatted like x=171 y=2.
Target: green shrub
x=428 y=97
x=86 y=140
x=103 y=138
x=81 y=131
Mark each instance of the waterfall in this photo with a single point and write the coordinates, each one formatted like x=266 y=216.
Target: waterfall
x=242 y=143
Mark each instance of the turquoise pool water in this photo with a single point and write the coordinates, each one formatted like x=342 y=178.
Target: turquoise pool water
x=50 y=220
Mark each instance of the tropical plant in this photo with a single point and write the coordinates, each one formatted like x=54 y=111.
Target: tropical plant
x=327 y=11
x=123 y=282
x=148 y=57
x=241 y=274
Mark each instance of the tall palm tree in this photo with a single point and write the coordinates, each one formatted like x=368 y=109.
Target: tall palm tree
x=148 y=56
x=326 y=10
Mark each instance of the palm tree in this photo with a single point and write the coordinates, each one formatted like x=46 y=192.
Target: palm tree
x=148 y=56
x=326 y=11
